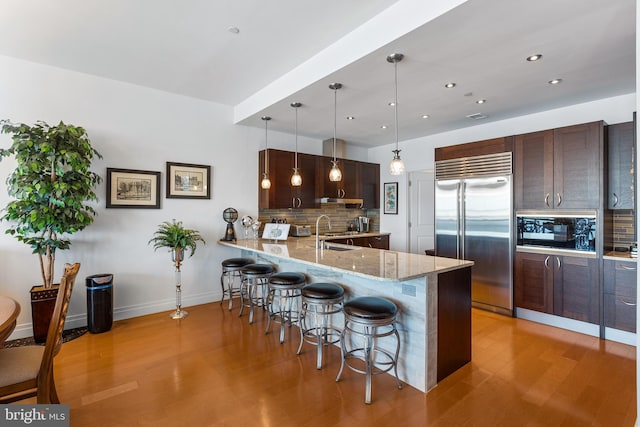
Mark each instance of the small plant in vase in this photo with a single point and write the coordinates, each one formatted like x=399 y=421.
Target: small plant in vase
x=175 y=237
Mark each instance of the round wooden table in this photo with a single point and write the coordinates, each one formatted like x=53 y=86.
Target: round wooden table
x=9 y=310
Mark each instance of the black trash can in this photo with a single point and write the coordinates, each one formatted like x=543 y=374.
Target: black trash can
x=99 y=303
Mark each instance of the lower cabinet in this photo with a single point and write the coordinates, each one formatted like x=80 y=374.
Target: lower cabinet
x=565 y=286
x=377 y=242
x=620 y=295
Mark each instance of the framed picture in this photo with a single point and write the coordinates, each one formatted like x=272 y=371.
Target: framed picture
x=391 y=198
x=187 y=181
x=128 y=188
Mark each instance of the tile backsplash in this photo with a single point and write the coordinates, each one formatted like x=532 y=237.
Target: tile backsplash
x=623 y=228
x=340 y=216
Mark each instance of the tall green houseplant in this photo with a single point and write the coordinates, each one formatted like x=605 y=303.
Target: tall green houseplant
x=51 y=186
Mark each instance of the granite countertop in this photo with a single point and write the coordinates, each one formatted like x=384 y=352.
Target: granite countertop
x=620 y=256
x=370 y=263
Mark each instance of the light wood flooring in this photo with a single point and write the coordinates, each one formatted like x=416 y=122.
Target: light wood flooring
x=214 y=369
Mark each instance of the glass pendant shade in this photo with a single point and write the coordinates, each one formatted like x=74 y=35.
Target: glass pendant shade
x=296 y=178
x=266 y=182
x=335 y=174
x=396 y=167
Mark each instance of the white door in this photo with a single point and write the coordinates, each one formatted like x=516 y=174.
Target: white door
x=421 y=211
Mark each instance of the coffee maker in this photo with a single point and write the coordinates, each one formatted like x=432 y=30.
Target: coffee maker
x=363 y=224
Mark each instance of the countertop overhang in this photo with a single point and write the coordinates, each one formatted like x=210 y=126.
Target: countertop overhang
x=377 y=264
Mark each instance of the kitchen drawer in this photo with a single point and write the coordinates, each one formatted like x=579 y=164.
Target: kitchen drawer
x=620 y=278
x=620 y=312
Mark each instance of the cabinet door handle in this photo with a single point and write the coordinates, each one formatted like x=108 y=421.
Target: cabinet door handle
x=558 y=261
x=546 y=261
x=615 y=200
x=546 y=200
x=624 y=267
x=632 y=304
x=370 y=245
x=299 y=202
x=559 y=199
x=342 y=193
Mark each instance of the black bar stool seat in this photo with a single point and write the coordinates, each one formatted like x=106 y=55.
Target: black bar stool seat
x=255 y=278
x=231 y=271
x=373 y=308
x=283 y=299
x=369 y=320
x=320 y=301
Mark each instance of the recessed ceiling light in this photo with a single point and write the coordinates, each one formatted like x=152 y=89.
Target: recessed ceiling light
x=481 y=101
x=350 y=118
x=391 y=104
x=450 y=85
x=425 y=116
x=234 y=30
x=535 y=57
x=555 y=81
x=383 y=127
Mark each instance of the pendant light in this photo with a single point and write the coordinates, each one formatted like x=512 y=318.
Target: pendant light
x=335 y=174
x=296 y=178
x=396 y=167
x=266 y=182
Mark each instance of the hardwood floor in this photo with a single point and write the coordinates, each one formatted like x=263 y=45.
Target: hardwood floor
x=214 y=369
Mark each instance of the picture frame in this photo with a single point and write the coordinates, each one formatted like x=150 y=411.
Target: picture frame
x=391 y=198
x=188 y=181
x=133 y=189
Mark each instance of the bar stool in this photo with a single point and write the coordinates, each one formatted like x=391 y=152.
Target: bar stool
x=231 y=271
x=283 y=299
x=370 y=318
x=320 y=301
x=252 y=288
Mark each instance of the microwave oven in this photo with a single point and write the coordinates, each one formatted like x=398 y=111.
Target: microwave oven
x=569 y=231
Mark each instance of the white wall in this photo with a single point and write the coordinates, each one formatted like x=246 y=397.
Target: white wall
x=418 y=154
x=133 y=128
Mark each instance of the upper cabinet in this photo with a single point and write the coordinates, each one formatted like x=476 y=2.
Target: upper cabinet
x=348 y=187
x=360 y=180
x=559 y=168
x=282 y=194
x=621 y=179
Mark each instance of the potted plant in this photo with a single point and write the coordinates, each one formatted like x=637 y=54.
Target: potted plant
x=51 y=186
x=175 y=237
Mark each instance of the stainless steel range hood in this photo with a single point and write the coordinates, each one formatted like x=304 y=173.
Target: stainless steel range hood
x=349 y=203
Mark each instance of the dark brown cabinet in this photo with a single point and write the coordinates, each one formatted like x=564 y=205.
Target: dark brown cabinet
x=360 y=180
x=377 y=242
x=560 y=168
x=565 y=286
x=282 y=194
x=347 y=187
x=621 y=180
x=369 y=183
x=533 y=282
x=575 y=288
x=620 y=295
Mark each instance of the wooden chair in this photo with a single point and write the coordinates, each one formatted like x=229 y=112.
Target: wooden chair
x=28 y=371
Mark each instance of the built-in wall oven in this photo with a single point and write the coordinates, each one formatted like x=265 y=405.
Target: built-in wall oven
x=573 y=231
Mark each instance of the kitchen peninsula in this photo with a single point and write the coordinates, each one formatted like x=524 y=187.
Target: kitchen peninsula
x=433 y=295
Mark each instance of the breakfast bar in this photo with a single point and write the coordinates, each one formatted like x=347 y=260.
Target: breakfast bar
x=433 y=295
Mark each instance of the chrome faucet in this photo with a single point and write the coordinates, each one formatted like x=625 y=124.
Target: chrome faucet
x=318 y=245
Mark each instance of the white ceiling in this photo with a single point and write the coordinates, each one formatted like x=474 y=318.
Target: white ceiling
x=184 y=48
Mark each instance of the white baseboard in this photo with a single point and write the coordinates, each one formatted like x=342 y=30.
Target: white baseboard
x=78 y=320
x=577 y=326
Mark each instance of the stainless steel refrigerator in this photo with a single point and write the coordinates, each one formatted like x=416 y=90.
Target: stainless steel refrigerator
x=473 y=221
